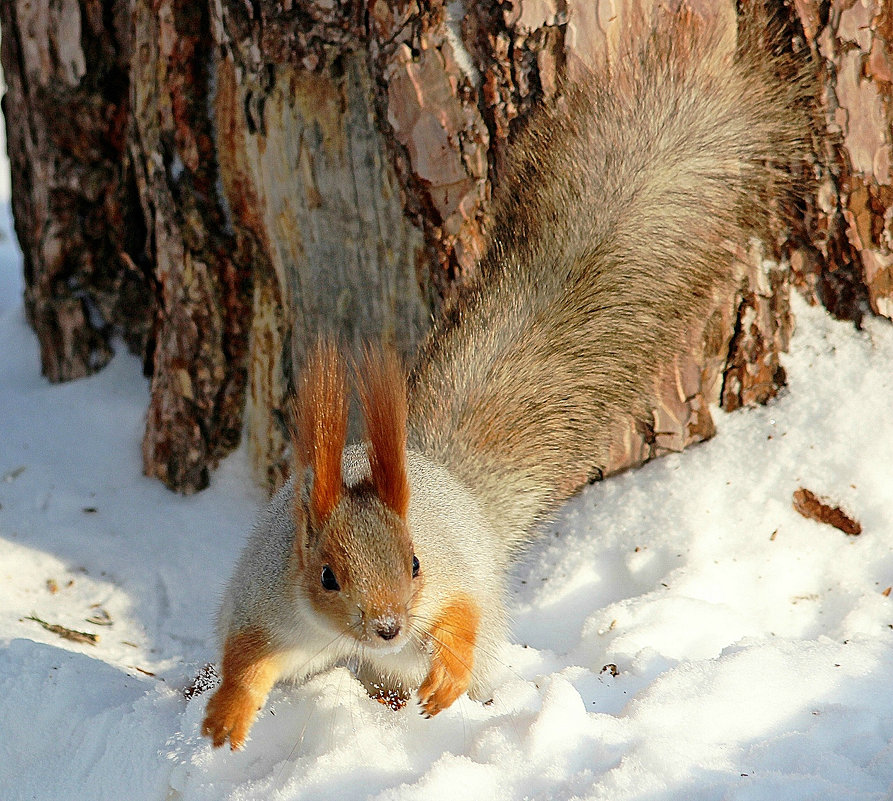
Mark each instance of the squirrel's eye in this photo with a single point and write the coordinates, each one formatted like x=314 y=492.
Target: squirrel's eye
x=415 y=565
x=329 y=582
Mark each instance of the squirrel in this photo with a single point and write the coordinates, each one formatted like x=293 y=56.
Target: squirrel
x=614 y=227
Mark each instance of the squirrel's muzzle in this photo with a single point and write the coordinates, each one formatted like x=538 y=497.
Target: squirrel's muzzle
x=382 y=628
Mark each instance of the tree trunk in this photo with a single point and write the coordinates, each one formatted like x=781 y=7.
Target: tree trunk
x=74 y=200
x=218 y=181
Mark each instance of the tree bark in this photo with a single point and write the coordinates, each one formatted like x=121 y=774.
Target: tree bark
x=308 y=177
x=845 y=254
x=75 y=204
x=218 y=181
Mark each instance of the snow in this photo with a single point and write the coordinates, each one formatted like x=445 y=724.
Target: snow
x=680 y=632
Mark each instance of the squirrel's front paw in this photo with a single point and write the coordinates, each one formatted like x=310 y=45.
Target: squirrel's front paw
x=229 y=715
x=250 y=668
x=452 y=636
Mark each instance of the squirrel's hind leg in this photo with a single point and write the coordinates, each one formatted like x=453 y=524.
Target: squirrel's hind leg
x=250 y=669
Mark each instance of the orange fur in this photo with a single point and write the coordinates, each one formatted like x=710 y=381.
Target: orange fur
x=382 y=390
x=453 y=635
x=250 y=669
x=320 y=416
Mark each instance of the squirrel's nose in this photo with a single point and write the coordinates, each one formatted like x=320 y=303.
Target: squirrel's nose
x=389 y=630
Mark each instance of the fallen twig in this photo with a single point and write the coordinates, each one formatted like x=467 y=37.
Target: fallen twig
x=68 y=634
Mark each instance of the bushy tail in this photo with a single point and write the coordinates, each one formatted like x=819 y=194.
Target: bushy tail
x=614 y=228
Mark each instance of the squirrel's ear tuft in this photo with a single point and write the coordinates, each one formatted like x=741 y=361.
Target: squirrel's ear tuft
x=382 y=389
x=320 y=426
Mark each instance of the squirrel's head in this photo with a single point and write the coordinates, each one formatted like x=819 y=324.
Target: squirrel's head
x=353 y=549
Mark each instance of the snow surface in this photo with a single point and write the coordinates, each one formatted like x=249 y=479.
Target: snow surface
x=680 y=633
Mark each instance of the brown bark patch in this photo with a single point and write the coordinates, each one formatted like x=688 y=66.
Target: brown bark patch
x=808 y=504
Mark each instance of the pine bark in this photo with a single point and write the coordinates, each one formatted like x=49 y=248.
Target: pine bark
x=74 y=199
x=217 y=181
